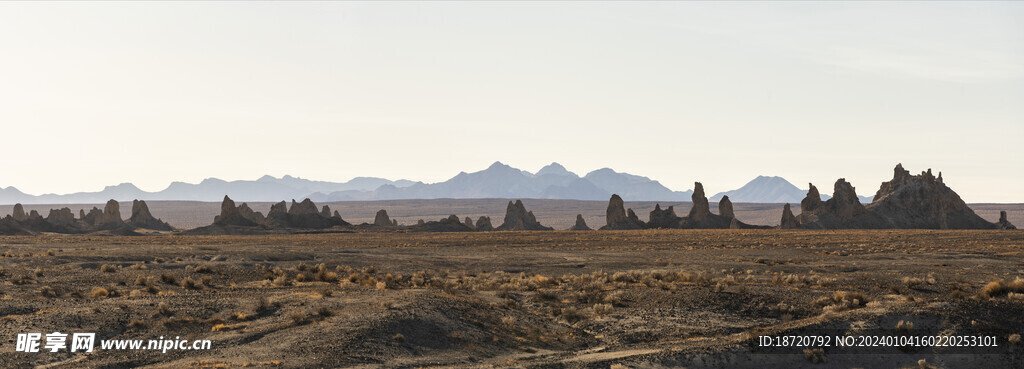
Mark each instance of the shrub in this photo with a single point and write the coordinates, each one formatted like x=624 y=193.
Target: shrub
x=298 y=317
x=602 y=309
x=188 y=283
x=1013 y=339
x=398 y=337
x=137 y=324
x=164 y=309
x=167 y=278
x=99 y=292
x=904 y=326
x=107 y=268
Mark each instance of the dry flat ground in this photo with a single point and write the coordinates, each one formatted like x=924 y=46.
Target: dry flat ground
x=637 y=299
x=560 y=214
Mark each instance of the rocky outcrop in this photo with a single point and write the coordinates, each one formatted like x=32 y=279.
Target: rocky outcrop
x=382 y=219
x=141 y=218
x=1002 y=223
x=843 y=210
x=517 y=218
x=11 y=227
x=484 y=224
x=306 y=207
x=725 y=208
x=61 y=217
x=700 y=216
x=449 y=224
x=469 y=223
x=812 y=201
x=302 y=215
x=701 y=209
x=616 y=217
x=253 y=216
x=788 y=220
x=111 y=215
x=19 y=213
x=922 y=201
x=907 y=201
x=663 y=218
x=581 y=225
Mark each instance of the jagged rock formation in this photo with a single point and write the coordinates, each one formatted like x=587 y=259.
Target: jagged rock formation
x=923 y=201
x=382 y=219
x=469 y=223
x=843 y=210
x=141 y=218
x=1003 y=223
x=907 y=201
x=420 y=222
x=663 y=218
x=788 y=220
x=230 y=215
x=484 y=224
x=701 y=209
x=517 y=218
x=725 y=208
x=581 y=225
x=617 y=218
x=701 y=217
x=242 y=219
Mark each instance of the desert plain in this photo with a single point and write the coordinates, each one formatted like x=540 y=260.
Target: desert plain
x=554 y=299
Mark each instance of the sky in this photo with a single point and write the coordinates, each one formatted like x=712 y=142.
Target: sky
x=95 y=94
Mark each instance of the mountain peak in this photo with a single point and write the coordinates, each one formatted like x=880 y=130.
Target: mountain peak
x=266 y=178
x=498 y=164
x=555 y=169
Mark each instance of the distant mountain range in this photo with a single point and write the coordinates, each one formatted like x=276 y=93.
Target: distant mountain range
x=766 y=189
x=497 y=181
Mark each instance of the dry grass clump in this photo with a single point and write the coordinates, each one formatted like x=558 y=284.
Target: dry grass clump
x=136 y=324
x=168 y=279
x=107 y=268
x=602 y=309
x=398 y=337
x=1001 y=287
x=842 y=301
x=1014 y=339
x=298 y=317
x=100 y=292
x=804 y=280
x=282 y=281
x=46 y=291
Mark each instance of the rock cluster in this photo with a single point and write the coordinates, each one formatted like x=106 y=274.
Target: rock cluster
x=63 y=220
x=907 y=201
x=581 y=225
x=302 y=215
x=517 y=218
x=449 y=224
x=663 y=218
x=617 y=218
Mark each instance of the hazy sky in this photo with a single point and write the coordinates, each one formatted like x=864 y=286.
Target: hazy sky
x=93 y=94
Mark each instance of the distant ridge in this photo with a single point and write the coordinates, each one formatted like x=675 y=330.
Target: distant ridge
x=766 y=189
